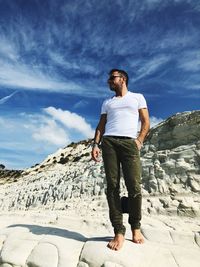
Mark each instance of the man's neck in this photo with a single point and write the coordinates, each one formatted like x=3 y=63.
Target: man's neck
x=121 y=92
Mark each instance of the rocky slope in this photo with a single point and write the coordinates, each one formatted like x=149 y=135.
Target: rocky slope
x=170 y=180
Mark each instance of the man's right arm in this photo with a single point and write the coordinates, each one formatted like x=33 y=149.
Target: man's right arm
x=97 y=138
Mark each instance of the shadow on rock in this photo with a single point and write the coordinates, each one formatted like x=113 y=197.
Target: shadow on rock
x=45 y=230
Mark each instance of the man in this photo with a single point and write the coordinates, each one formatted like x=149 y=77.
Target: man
x=118 y=128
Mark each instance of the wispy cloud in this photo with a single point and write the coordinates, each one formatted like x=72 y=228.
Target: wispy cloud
x=59 y=59
x=51 y=59
x=6 y=98
x=151 y=66
x=82 y=65
x=8 y=50
x=22 y=76
x=190 y=61
x=81 y=104
x=24 y=63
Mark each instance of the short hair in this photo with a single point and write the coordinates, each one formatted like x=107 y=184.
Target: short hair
x=122 y=72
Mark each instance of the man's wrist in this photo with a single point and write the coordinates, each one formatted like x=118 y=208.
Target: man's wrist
x=95 y=144
x=140 y=141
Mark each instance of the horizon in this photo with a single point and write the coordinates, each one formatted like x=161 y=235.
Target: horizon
x=55 y=58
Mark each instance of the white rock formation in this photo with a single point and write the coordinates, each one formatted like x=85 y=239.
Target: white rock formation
x=68 y=180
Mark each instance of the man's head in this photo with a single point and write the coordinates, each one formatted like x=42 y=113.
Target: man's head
x=117 y=79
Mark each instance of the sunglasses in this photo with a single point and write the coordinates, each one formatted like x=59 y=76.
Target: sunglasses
x=113 y=77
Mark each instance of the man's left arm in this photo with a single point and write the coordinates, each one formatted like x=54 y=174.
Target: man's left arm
x=145 y=125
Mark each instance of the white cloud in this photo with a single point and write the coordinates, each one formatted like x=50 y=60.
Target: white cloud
x=71 y=120
x=154 y=121
x=51 y=133
x=56 y=126
x=29 y=138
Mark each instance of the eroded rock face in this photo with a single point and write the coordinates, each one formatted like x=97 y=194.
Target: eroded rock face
x=170 y=178
x=171 y=163
x=178 y=130
x=175 y=170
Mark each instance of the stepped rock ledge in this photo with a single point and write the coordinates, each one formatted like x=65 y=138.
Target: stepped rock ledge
x=55 y=213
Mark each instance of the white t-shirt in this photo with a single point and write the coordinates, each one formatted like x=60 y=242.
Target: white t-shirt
x=122 y=114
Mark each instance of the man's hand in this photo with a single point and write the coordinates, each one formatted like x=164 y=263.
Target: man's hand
x=95 y=153
x=97 y=138
x=138 y=143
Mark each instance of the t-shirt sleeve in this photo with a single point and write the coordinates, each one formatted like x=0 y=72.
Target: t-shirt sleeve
x=103 y=108
x=142 y=102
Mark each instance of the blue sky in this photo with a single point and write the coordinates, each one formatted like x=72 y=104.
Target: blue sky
x=54 y=62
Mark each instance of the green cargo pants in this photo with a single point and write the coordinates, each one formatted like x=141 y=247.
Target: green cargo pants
x=116 y=152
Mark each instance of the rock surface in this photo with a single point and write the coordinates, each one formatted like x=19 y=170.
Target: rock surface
x=69 y=181
x=42 y=244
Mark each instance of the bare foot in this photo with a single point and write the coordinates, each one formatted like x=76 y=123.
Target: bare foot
x=117 y=242
x=137 y=236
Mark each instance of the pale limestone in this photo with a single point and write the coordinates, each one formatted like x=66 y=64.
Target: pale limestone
x=15 y=251
x=43 y=255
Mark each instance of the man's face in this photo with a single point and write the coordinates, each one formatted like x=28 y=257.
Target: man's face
x=115 y=81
